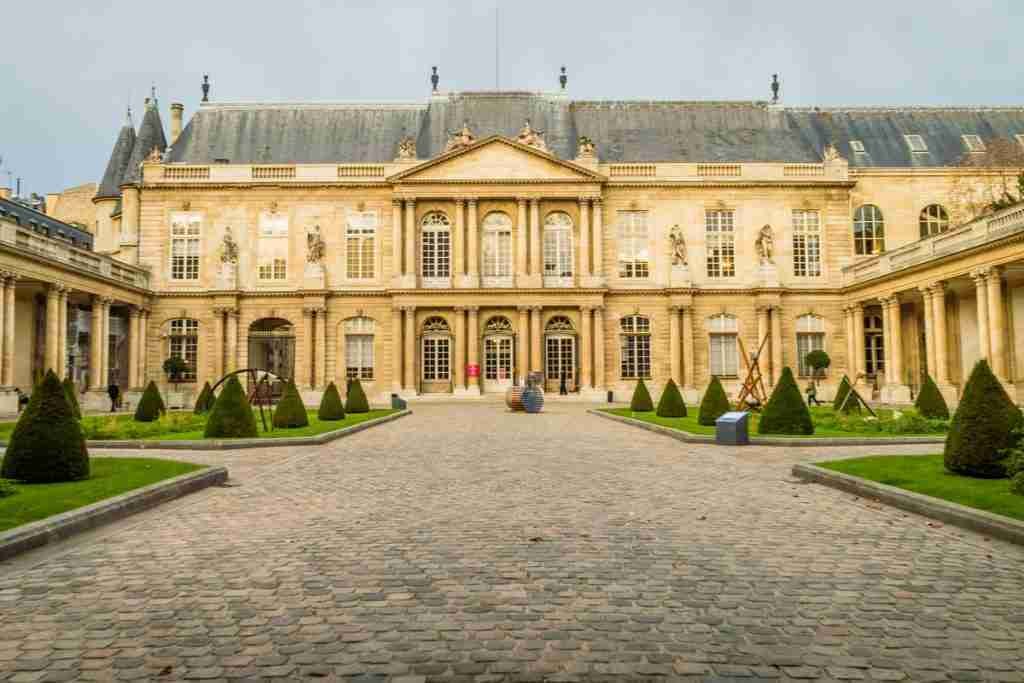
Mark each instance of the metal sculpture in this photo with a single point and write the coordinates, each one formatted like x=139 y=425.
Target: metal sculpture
x=260 y=393
x=752 y=395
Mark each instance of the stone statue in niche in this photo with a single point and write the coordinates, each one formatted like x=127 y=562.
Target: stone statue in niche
x=314 y=246
x=532 y=138
x=678 y=244
x=461 y=138
x=228 y=248
x=407 y=149
x=585 y=147
x=765 y=244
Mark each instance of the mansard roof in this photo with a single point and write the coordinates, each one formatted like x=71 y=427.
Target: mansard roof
x=110 y=186
x=151 y=134
x=624 y=131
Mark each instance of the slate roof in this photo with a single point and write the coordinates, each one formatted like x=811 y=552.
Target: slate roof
x=113 y=177
x=39 y=222
x=624 y=131
x=151 y=134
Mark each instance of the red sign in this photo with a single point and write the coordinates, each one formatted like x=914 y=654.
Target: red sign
x=473 y=370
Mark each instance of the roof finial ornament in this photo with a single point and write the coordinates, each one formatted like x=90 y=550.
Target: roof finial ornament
x=206 y=87
x=152 y=95
x=775 y=88
x=563 y=78
x=434 y=78
x=129 y=121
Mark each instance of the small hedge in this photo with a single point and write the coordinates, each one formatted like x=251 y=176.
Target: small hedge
x=982 y=427
x=930 y=402
x=713 y=404
x=72 y=393
x=289 y=412
x=47 y=444
x=151 y=405
x=841 y=392
x=204 y=403
x=231 y=416
x=356 y=401
x=331 y=407
x=786 y=412
x=641 y=401
x=671 y=403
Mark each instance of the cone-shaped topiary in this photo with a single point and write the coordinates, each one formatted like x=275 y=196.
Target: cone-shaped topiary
x=204 y=403
x=72 y=393
x=841 y=392
x=982 y=427
x=641 y=401
x=930 y=402
x=331 y=407
x=47 y=444
x=151 y=405
x=290 y=412
x=786 y=412
x=671 y=403
x=713 y=404
x=356 y=401
x=231 y=415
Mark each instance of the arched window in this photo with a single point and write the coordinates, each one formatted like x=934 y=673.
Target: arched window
x=558 y=250
x=183 y=342
x=498 y=337
x=934 y=220
x=496 y=249
x=436 y=243
x=724 y=348
x=436 y=350
x=559 y=323
x=499 y=324
x=560 y=352
x=810 y=336
x=359 y=348
x=636 y=346
x=868 y=230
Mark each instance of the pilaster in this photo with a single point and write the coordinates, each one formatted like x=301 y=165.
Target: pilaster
x=472 y=280
x=473 y=350
x=409 y=354
x=585 y=380
x=536 y=312
x=9 y=314
x=536 y=278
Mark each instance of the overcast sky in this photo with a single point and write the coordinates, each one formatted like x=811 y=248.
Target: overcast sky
x=71 y=68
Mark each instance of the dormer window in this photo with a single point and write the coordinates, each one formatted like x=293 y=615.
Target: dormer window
x=915 y=143
x=1020 y=138
x=857 y=146
x=974 y=143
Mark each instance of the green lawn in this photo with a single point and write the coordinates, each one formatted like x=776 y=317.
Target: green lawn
x=108 y=477
x=926 y=474
x=185 y=425
x=826 y=424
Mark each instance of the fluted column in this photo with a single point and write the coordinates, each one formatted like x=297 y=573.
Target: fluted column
x=929 y=330
x=776 y=321
x=52 y=341
x=599 y=377
x=996 y=325
x=105 y=342
x=62 y=336
x=473 y=245
x=10 y=308
x=473 y=347
x=851 y=351
x=536 y=269
x=321 y=347
x=410 y=241
x=95 y=344
x=396 y=238
x=535 y=356
x=673 y=345
x=584 y=246
x=687 y=342
x=133 y=347
x=144 y=345
x=858 y=343
x=460 y=348
x=459 y=244
x=597 y=226
x=5 y=283
x=981 y=294
x=940 y=335
x=887 y=341
x=523 y=343
x=896 y=351
x=521 y=231
x=409 y=343
x=585 y=343
x=232 y=344
x=396 y=349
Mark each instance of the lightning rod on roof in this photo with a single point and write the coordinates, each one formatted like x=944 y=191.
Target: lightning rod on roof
x=775 y=88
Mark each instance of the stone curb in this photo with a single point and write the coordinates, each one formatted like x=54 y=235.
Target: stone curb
x=680 y=435
x=987 y=523
x=58 y=527
x=233 y=444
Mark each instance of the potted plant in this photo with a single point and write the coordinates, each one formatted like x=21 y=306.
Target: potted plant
x=175 y=368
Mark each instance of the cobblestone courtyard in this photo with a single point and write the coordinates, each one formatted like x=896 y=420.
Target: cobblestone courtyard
x=466 y=543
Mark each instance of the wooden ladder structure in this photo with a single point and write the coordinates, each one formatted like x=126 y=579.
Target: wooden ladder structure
x=753 y=385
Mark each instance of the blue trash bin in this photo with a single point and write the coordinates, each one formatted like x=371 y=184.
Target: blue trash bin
x=731 y=429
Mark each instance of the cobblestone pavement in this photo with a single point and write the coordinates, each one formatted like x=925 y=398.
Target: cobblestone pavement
x=464 y=543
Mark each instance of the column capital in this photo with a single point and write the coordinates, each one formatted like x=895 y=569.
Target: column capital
x=537 y=307
x=56 y=288
x=586 y=308
x=597 y=200
x=408 y=308
x=220 y=310
x=938 y=288
x=521 y=201
x=410 y=201
x=396 y=202
x=318 y=309
x=8 y=275
x=523 y=308
x=471 y=201
x=980 y=275
x=133 y=311
x=599 y=308
x=459 y=201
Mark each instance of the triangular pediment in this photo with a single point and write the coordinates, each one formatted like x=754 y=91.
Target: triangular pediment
x=497 y=159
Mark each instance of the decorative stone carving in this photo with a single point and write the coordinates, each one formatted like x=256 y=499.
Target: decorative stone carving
x=830 y=153
x=228 y=248
x=678 y=243
x=155 y=156
x=406 y=149
x=585 y=148
x=460 y=139
x=532 y=138
x=765 y=244
x=315 y=247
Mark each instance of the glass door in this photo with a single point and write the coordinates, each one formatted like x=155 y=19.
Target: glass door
x=560 y=362
x=498 y=368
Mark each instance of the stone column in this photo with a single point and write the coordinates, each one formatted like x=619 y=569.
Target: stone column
x=940 y=335
x=521 y=274
x=996 y=325
x=981 y=294
x=105 y=343
x=460 y=350
x=929 y=330
x=858 y=344
x=396 y=239
x=10 y=307
x=52 y=342
x=144 y=345
x=473 y=246
x=897 y=391
x=687 y=342
x=396 y=350
x=598 y=240
x=62 y=336
x=851 y=351
x=133 y=347
x=887 y=343
x=762 y=331
x=536 y=257
x=523 y=344
x=535 y=352
x=95 y=345
x=776 y=320
x=458 y=245
x=674 y=354
x=219 y=338
x=583 y=276
x=409 y=271
x=5 y=283
x=473 y=348
x=232 y=345
x=409 y=354
x=586 y=382
x=304 y=363
x=321 y=347
x=599 y=376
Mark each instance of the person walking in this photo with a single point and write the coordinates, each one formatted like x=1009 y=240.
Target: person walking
x=114 y=392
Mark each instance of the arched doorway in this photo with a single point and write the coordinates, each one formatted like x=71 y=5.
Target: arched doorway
x=272 y=348
x=499 y=354
x=559 y=354
x=436 y=356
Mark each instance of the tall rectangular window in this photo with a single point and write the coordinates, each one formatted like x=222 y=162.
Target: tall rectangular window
x=360 y=239
x=359 y=348
x=185 y=247
x=435 y=359
x=183 y=342
x=806 y=244
x=272 y=247
x=496 y=249
x=720 y=242
x=805 y=343
x=636 y=346
x=723 y=350
x=634 y=250
x=436 y=249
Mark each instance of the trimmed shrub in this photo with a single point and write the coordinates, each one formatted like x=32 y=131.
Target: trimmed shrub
x=204 y=403
x=786 y=412
x=151 y=405
x=331 y=407
x=671 y=403
x=289 y=412
x=72 y=393
x=930 y=402
x=713 y=404
x=641 y=401
x=356 y=401
x=47 y=444
x=841 y=392
x=231 y=415
x=982 y=427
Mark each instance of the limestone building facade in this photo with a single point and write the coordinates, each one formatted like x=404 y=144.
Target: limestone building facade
x=449 y=247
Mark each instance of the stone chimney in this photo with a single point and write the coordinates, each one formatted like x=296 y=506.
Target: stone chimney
x=5 y=193
x=177 y=111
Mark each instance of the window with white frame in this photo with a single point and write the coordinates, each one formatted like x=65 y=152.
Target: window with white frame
x=806 y=243
x=723 y=351
x=183 y=342
x=868 y=230
x=273 y=224
x=634 y=248
x=973 y=143
x=636 y=346
x=933 y=220
x=272 y=247
x=359 y=348
x=436 y=252
x=558 y=257
x=436 y=350
x=273 y=269
x=185 y=246
x=496 y=249
x=360 y=244
x=916 y=143
x=810 y=336
x=720 y=243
